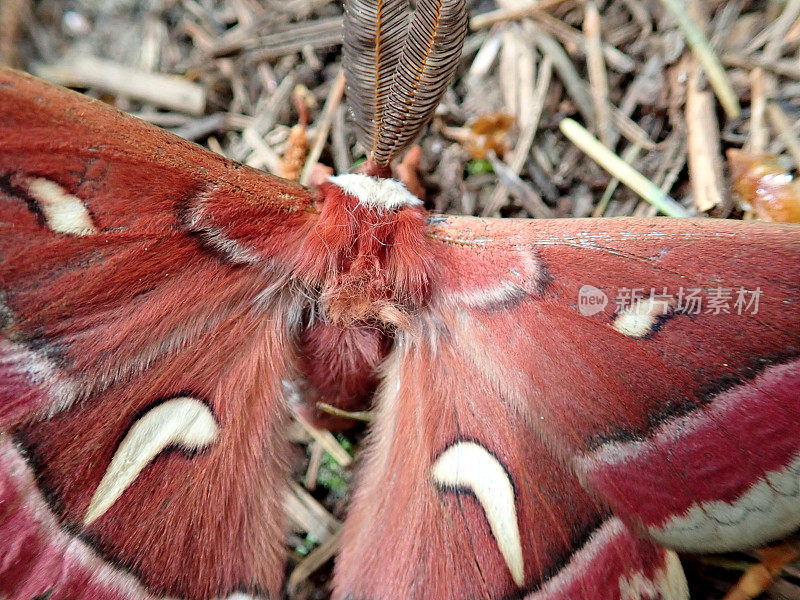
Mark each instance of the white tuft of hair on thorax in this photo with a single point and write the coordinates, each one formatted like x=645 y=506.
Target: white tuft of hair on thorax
x=387 y=194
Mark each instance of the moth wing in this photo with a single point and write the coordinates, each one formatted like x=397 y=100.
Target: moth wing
x=532 y=425
x=458 y=498
x=143 y=349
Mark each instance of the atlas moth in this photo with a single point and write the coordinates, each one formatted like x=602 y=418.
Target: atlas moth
x=157 y=298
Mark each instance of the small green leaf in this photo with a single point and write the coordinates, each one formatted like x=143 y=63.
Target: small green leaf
x=479 y=167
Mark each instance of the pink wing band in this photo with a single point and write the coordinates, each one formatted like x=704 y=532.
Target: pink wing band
x=37 y=557
x=723 y=476
x=602 y=569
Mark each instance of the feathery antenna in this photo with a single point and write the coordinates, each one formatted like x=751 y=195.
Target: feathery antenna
x=398 y=70
x=373 y=43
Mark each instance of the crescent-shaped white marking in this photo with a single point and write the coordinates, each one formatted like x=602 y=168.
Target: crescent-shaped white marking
x=63 y=212
x=469 y=465
x=183 y=421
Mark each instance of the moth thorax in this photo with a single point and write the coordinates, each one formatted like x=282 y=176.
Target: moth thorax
x=376 y=192
x=368 y=254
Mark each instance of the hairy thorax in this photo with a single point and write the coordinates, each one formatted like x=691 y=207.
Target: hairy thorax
x=367 y=256
x=368 y=264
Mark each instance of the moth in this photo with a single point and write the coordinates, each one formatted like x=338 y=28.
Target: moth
x=554 y=414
